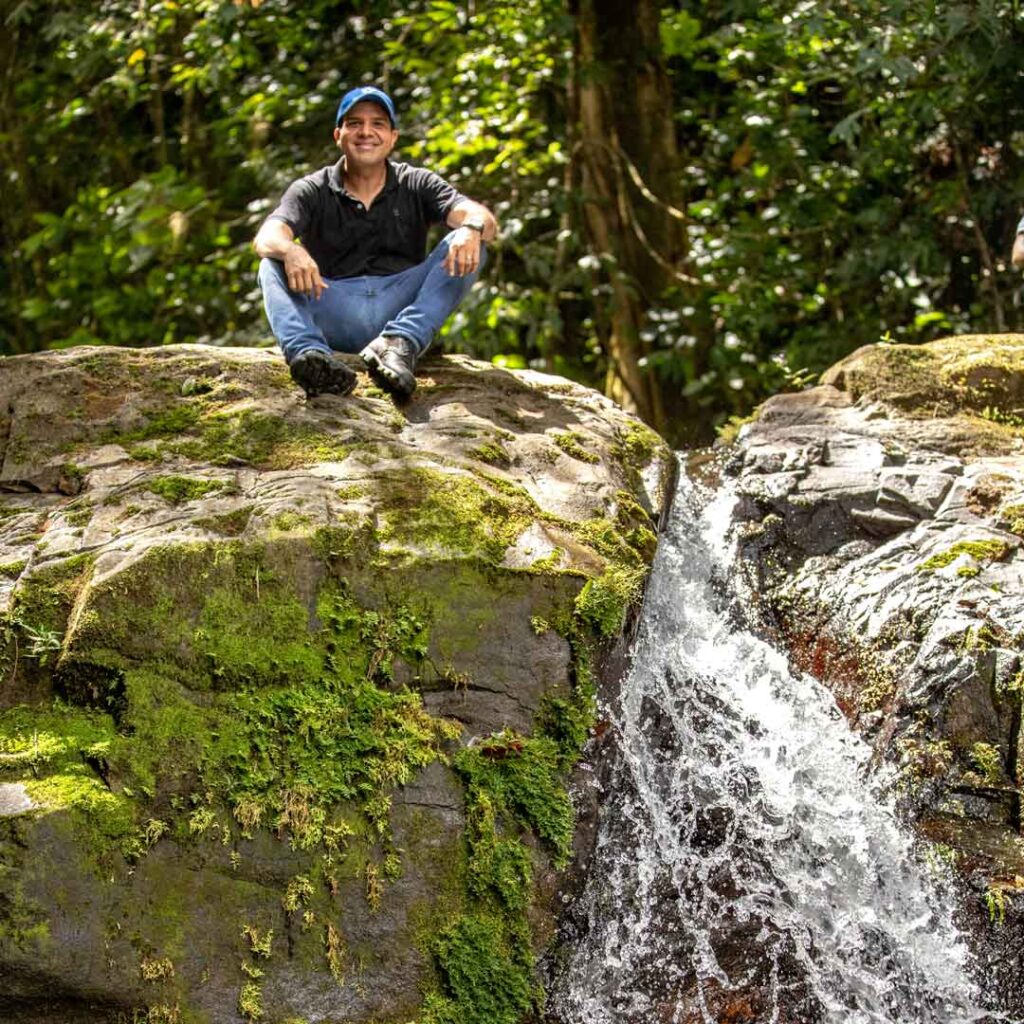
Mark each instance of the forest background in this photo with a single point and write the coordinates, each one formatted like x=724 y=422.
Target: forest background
x=702 y=203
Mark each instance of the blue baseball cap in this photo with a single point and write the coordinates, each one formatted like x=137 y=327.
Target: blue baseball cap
x=366 y=92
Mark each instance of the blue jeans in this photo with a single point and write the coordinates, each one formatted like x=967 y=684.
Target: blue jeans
x=353 y=311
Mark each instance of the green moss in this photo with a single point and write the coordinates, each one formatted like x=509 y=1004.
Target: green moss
x=10 y=511
x=219 y=611
x=332 y=544
x=571 y=443
x=198 y=386
x=1012 y=516
x=34 y=741
x=604 y=600
x=514 y=785
x=286 y=522
x=208 y=433
x=79 y=517
x=988 y=762
x=245 y=638
x=262 y=440
x=640 y=443
x=179 y=489
x=24 y=923
x=448 y=513
x=167 y=422
x=34 y=625
x=982 y=550
x=549 y=562
x=298 y=750
x=486 y=975
x=165 y=735
x=568 y=721
x=74 y=475
x=11 y=570
x=975 y=377
x=56 y=753
x=250 y=1001
x=522 y=778
x=491 y=452
x=104 y=815
x=301 y=725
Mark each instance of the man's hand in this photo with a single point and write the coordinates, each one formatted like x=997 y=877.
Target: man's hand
x=463 y=253
x=302 y=272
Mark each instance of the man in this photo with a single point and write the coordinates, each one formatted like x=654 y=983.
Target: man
x=344 y=266
x=1018 y=245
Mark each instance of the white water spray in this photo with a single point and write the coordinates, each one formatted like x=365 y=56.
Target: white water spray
x=750 y=865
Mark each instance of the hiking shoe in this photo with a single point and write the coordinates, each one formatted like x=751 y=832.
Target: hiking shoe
x=391 y=362
x=320 y=374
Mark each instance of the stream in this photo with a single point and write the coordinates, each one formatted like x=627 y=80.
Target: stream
x=750 y=866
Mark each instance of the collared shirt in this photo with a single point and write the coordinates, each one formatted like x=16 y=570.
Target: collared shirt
x=348 y=240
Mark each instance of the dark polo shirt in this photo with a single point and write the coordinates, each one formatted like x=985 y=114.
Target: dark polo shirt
x=346 y=239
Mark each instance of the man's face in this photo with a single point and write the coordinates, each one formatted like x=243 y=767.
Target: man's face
x=365 y=136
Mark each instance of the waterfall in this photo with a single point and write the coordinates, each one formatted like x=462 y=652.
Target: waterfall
x=749 y=864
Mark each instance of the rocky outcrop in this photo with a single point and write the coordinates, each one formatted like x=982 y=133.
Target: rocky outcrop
x=289 y=690
x=881 y=518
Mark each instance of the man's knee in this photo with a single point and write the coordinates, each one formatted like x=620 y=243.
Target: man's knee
x=271 y=272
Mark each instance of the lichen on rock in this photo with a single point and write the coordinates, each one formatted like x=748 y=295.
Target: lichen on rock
x=287 y=737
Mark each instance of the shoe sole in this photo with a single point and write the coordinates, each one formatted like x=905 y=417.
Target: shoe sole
x=401 y=385
x=324 y=376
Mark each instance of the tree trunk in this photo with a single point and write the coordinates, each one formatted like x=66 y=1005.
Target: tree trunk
x=624 y=110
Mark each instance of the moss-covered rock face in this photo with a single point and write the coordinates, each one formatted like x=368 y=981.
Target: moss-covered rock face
x=289 y=689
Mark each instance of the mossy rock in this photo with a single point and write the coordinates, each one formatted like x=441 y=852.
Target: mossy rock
x=973 y=374
x=294 y=740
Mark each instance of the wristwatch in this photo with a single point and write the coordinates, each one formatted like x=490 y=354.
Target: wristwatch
x=474 y=222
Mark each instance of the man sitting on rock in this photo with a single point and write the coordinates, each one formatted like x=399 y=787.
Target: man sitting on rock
x=1018 y=245
x=344 y=265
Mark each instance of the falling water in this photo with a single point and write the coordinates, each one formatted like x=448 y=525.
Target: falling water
x=749 y=864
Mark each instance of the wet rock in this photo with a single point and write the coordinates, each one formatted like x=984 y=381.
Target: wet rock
x=893 y=571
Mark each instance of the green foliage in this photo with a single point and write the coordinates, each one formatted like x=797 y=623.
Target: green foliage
x=848 y=184
x=840 y=183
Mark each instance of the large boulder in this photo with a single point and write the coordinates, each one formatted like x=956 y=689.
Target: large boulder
x=881 y=523
x=290 y=690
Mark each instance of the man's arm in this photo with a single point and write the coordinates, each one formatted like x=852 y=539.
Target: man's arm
x=1018 y=249
x=275 y=240
x=464 y=250
x=465 y=208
